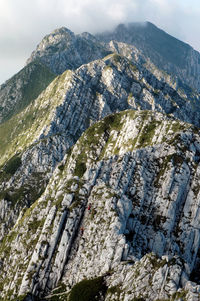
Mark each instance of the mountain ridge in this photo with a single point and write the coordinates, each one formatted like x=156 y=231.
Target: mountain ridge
x=99 y=176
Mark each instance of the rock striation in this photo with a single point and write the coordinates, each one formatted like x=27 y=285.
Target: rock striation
x=99 y=170
x=52 y=123
x=123 y=205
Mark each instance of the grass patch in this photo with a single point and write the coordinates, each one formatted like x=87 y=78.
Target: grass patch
x=19 y=132
x=114 y=290
x=12 y=165
x=148 y=133
x=80 y=168
x=74 y=205
x=29 y=82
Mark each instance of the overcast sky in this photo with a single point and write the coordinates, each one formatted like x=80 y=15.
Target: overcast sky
x=23 y=23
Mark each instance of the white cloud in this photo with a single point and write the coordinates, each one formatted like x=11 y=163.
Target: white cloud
x=23 y=23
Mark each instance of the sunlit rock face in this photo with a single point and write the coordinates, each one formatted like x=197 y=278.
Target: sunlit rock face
x=123 y=204
x=99 y=177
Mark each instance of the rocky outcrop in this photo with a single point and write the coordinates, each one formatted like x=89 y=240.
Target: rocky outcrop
x=62 y=50
x=128 y=188
x=144 y=45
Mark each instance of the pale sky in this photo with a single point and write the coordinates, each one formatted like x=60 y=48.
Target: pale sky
x=23 y=23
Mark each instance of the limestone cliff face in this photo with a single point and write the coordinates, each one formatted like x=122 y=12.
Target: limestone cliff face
x=56 y=119
x=122 y=205
x=99 y=171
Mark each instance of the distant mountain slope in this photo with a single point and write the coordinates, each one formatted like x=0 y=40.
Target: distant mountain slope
x=165 y=51
x=22 y=88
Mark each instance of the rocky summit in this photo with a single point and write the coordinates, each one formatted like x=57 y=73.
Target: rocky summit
x=99 y=169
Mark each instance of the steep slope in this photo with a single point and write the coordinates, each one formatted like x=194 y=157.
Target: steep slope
x=129 y=187
x=166 y=52
x=22 y=88
x=52 y=123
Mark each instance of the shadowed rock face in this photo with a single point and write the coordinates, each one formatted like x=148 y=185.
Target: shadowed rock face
x=99 y=175
x=166 y=52
x=22 y=88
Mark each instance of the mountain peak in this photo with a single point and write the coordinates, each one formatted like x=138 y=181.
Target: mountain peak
x=62 y=30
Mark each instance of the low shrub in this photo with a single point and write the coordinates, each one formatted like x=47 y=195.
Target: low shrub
x=12 y=165
x=88 y=290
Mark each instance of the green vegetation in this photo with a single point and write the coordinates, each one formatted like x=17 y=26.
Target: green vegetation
x=80 y=168
x=35 y=77
x=155 y=261
x=32 y=192
x=20 y=298
x=133 y=67
x=163 y=300
x=148 y=133
x=117 y=58
x=34 y=225
x=20 y=132
x=112 y=121
x=88 y=290
x=12 y=165
x=75 y=204
x=59 y=297
x=179 y=296
x=89 y=141
x=59 y=293
x=156 y=92
x=114 y=290
x=178 y=126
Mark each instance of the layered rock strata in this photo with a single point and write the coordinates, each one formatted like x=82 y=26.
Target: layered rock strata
x=129 y=187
